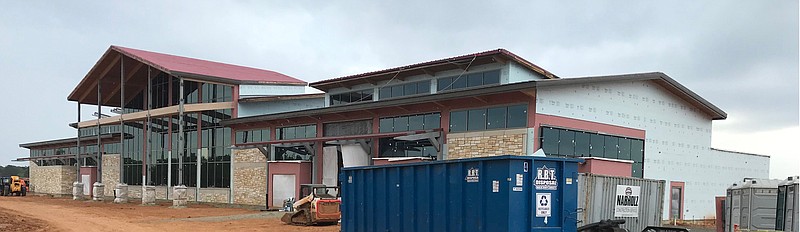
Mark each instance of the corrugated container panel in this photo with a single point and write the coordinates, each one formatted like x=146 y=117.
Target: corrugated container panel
x=479 y=194
x=788 y=198
x=597 y=196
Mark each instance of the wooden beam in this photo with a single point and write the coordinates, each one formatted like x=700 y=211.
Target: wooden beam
x=164 y=111
x=479 y=98
x=102 y=74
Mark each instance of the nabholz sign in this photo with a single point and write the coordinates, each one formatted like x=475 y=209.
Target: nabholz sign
x=626 y=203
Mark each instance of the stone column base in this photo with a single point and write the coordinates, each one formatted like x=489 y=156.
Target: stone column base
x=149 y=195
x=179 y=197
x=121 y=193
x=77 y=191
x=98 y=191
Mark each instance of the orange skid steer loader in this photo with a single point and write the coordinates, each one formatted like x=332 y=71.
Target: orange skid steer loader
x=320 y=206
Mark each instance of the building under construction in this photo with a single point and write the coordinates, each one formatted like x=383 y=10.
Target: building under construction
x=248 y=136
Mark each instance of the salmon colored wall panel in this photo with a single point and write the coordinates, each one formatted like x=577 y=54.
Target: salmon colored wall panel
x=301 y=171
x=606 y=167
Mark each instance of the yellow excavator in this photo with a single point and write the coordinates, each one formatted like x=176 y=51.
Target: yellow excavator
x=320 y=206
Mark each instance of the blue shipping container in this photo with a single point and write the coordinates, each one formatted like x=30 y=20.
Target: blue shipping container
x=499 y=193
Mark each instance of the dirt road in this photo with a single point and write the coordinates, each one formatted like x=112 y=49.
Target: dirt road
x=38 y=213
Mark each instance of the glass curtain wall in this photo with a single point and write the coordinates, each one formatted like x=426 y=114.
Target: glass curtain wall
x=203 y=136
x=572 y=143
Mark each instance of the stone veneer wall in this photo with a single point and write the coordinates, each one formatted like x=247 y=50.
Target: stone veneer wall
x=486 y=143
x=111 y=171
x=215 y=195
x=211 y=195
x=249 y=177
x=52 y=179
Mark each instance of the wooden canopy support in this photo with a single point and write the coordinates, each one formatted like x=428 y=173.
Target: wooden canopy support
x=171 y=110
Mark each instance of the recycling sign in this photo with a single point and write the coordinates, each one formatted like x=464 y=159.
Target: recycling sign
x=543 y=203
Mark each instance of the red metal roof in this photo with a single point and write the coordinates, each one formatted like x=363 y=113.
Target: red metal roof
x=497 y=52
x=180 y=64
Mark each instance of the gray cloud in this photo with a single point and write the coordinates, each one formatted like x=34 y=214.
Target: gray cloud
x=742 y=56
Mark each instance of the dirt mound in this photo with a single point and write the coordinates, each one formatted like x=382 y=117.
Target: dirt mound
x=12 y=222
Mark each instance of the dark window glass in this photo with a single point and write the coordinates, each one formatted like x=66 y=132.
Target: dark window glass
x=405 y=89
x=416 y=122
x=491 y=77
x=336 y=99
x=637 y=150
x=459 y=82
x=566 y=143
x=424 y=87
x=458 y=121
x=349 y=97
x=386 y=125
x=397 y=90
x=611 y=147
x=496 y=118
x=432 y=121
x=385 y=92
x=476 y=119
x=624 y=149
x=597 y=145
x=365 y=95
x=401 y=124
x=290 y=132
x=517 y=116
x=411 y=122
x=311 y=131
x=550 y=140
x=468 y=80
x=410 y=89
x=581 y=144
x=227 y=93
x=444 y=83
x=474 y=79
x=637 y=169
x=256 y=136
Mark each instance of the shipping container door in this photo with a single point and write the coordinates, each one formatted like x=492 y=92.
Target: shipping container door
x=547 y=196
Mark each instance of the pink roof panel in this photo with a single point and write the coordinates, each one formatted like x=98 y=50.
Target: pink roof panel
x=172 y=63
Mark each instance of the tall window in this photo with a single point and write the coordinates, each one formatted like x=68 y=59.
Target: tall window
x=468 y=80
x=215 y=154
x=572 y=143
x=515 y=116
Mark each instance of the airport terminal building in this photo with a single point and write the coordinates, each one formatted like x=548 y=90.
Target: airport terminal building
x=250 y=136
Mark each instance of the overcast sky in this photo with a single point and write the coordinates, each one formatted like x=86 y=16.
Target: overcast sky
x=740 y=55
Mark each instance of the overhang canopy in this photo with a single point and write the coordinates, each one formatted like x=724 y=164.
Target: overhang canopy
x=432 y=67
x=137 y=63
x=526 y=87
x=70 y=142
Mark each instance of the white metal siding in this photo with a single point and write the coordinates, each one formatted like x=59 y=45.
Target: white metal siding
x=677 y=136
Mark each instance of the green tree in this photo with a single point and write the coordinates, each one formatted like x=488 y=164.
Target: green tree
x=11 y=170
